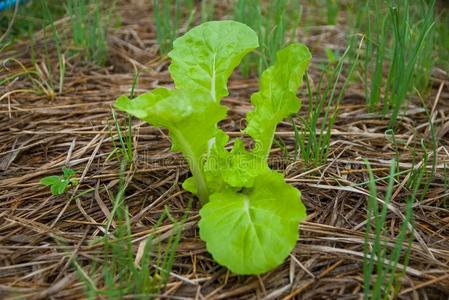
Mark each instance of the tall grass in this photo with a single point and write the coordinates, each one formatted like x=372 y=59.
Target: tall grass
x=381 y=276
x=399 y=42
x=333 y=8
x=172 y=16
x=30 y=17
x=89 y=23
x=405 y=61
x=125 y=147
x=207 y=11
x=89 y=34
x=312 y=141
x=250 y=12
x=442 y=40
x=169 y=16
x=58 y=43
x=272 y=22
x=446 y=185
x=117 y=272
x=433 y=152
x=122 y=273
x=167 y=23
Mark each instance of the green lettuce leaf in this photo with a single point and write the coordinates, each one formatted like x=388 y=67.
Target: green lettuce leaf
x=277 y=98
x=142 y=106
x=237 y=168
x=253 y=231
x=190 y=117
x=205 y=56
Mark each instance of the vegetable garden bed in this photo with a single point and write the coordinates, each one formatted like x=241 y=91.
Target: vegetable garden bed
x=125 y=228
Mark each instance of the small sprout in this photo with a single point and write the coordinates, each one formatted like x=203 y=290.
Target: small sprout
x=60 y=184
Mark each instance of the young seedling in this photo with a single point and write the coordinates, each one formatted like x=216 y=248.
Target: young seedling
x=250 y=215
x=60 y=184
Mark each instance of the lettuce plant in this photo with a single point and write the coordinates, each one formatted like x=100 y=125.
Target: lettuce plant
x=249 y=215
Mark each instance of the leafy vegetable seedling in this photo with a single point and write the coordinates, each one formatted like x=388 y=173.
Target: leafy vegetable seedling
x=250 y=215
x=60 y=184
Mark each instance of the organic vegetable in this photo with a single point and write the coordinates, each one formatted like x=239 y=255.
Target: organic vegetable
x=250 y=215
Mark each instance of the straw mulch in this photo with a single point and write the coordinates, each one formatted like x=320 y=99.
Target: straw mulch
x=44 y=130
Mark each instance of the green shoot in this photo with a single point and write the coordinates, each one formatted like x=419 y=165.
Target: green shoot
x=442 y=40
x=89 y=23
x=333 y=8
x=446 y=186
x=399 y=39
x=271 y=23
x=122 y=272
x=312 y=141
x=58 y=44
x=125 y=141
x=207 y=10
x=434 y=146
x=169 y=15
x=30 y=17
x=378 y=258
x=60 y=184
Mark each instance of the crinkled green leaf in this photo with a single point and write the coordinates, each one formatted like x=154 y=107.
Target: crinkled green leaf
x=253 y=231
x=277 y=98
x=243 y=166
x=216 y=153
x=205 y=56
x=50 y=180
x=189 y=115
x=237 y=167
x=191 y=118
